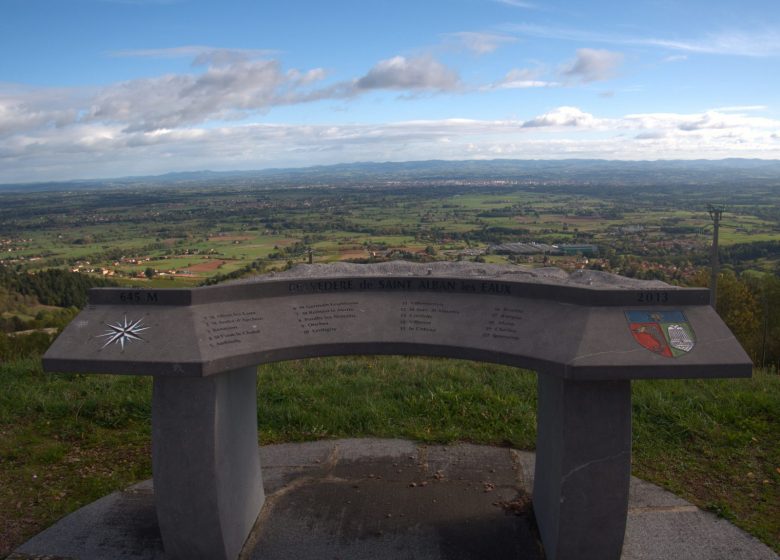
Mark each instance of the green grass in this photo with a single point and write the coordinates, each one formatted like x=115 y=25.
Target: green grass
x=731 y=237
x=66 y=440
x=430 y=400
x=714 y=442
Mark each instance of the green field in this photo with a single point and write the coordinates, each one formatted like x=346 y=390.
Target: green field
x=182 y=232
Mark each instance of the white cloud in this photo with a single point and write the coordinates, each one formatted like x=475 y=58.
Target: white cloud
x=178 y=121
x=232 y=86
x=741 y=108
x=526 y=84
x=592 y=65
x=522 y=78
x=563 y=116
x=650 y=135
x=758 y=43
x=699 y=122
x=104 y=150
x=709 y=120
x=418 y=73
x=222 y=92
x=201 y=55
x=480 y=42
x=24 y=108
x=750 y=43
x=17 y=116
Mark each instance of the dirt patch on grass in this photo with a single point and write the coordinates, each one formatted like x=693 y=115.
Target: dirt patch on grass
x=206 y=266
x=353 y=254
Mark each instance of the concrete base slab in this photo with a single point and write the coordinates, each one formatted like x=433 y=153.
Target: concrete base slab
x=687 y=531
x=122 y=525
x=390 y=499
x=394 y=499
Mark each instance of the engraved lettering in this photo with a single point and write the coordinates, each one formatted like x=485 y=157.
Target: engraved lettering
x=503 y=323
x=231 y=328
x=652 y=296
x=324 y=317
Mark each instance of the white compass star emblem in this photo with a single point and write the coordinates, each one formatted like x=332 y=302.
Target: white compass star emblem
x=123 y=332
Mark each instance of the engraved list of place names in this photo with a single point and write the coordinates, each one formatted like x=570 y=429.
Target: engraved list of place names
x=324 y=317
x=418 y=316
x=230 y=328
x=503 y=323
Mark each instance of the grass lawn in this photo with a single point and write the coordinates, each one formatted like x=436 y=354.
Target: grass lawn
x=66 y=440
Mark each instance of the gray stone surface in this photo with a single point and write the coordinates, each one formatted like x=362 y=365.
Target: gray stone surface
x=583 y=467
x=645 y=496
x=285 y=462
x=570 y=325
x=317 y=515
x=207 y=477
x=547 y=275
x=395 y=499
x=120 y=526
x=690 y=535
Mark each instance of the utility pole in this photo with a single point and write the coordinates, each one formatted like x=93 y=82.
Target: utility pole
x=766 y=324
x=715 y=211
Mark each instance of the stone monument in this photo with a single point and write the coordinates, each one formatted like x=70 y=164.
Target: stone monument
x=587 y=335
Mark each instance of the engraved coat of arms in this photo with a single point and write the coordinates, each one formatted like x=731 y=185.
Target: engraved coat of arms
x=667 y=333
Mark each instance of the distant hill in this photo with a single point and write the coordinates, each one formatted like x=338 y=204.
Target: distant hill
x=723 y=172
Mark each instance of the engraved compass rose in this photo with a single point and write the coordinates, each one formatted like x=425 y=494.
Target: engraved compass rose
x=123 y=332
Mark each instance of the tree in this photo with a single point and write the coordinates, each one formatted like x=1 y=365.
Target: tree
x=740 y=309
x=767 y=291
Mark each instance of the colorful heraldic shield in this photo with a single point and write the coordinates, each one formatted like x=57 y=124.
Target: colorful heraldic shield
x=667 y=333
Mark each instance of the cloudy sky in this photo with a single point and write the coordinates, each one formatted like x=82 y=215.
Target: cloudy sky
x=107 y=88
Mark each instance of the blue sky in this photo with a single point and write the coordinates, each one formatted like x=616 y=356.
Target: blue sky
x=106 y=88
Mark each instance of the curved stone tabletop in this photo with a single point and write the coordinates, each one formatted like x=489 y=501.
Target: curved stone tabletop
x=583 y=325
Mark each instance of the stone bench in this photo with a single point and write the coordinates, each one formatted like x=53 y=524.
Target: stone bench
x=587 y=335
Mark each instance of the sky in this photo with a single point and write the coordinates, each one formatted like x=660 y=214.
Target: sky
x=110 y=88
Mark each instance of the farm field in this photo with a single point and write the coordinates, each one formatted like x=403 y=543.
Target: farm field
x=187 y=236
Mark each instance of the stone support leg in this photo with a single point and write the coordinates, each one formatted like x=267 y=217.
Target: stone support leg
x=207 y=481
x=583 y=466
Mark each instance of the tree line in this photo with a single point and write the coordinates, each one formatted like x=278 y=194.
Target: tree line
x=21 y=296
x=750 y=305
x=61 y=288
